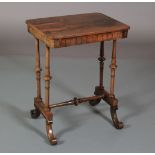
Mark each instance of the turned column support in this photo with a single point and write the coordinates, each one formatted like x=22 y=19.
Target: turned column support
x=38 y=69
x=101 y=65
x=114 y=101
x=47 y=76
x=113 y=67
x=99 y=90
x=35 y=113
x=49 y=114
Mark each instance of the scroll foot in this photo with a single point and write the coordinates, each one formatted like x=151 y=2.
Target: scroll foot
x=50 y=134
x=117 y=123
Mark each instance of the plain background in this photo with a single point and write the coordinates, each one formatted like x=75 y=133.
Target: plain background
x=75 y=73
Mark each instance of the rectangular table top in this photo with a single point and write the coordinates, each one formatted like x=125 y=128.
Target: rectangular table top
x=76 y=29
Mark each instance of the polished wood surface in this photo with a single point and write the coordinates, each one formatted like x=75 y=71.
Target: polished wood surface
x=74 y=30
x=78 y=29
x=38 y=69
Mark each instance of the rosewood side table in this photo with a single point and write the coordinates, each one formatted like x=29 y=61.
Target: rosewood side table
x=63 y=31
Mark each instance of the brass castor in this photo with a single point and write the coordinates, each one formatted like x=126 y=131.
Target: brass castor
x=94 y=102
x=35 y=113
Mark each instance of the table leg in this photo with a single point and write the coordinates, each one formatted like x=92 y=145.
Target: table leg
x=99 y=90
x=48 y=112
x=114 y=104
x=35 y=113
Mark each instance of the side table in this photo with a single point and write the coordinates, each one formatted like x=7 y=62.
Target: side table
x=63 y=31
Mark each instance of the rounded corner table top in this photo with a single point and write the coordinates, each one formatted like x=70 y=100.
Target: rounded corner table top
x=77 y=29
